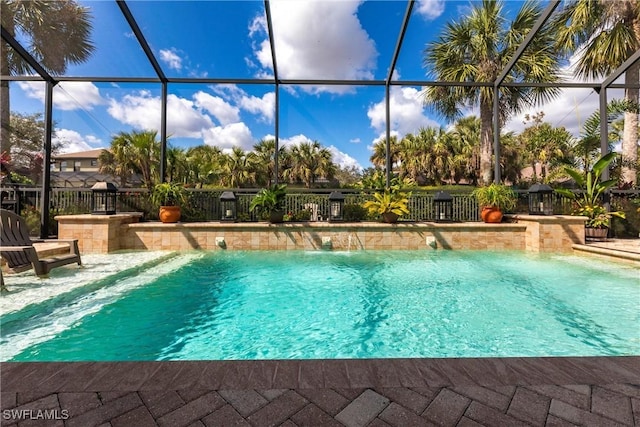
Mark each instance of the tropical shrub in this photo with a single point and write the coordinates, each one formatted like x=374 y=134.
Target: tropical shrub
x=269 y=200
x=353 y=212
x=589 y=202
x=388 y=201
x=497 y=196
x=168 y=194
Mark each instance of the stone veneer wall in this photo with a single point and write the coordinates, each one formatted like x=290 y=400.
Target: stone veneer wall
x=551 y=233
x=109 y=233
x=312 y=236
x=95 y=233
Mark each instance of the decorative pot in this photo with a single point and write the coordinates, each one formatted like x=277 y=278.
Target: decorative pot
x=169 y=214
x=491 y=214
x=596 y=233
x=390 y=217
x=276 y=217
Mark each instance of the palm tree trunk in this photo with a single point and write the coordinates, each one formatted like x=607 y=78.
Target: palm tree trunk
x=486 y=141
x=630 y=135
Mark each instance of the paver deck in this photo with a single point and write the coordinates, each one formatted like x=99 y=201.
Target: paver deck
x=585 y=391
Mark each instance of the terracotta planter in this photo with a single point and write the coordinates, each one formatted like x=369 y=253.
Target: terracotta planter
x=169 y=214
x=591 y=233
x=390 y=217
x=491 y=215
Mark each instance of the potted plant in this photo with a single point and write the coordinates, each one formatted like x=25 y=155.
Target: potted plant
x=270 y=201
x=389 y=204
x=494 y=200
x=588 y=203
x=169 y=196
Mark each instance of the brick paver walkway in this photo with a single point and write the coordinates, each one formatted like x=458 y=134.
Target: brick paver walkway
x=592 y=391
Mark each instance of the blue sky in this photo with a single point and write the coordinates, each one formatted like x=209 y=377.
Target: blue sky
x=328 y=39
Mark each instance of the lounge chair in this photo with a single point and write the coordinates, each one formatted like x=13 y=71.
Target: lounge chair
x=16 y=247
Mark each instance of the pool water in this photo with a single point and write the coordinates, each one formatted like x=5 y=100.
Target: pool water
x=359 y=304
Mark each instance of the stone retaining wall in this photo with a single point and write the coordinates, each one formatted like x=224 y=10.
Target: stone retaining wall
x=108 y=233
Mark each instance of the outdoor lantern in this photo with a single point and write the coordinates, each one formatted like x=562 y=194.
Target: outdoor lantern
x=228 y=206
x=336 y=206
x=540 y=200
x=443 y=204
x=104 y=196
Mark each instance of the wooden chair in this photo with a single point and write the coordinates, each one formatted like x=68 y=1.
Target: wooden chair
x=16 y=247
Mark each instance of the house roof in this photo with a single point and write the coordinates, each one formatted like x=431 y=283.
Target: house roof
x=90 y=154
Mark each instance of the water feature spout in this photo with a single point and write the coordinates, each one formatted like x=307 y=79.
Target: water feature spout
x=326 y=243
x=221 y=242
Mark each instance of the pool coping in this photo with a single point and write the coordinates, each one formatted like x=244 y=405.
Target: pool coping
x=317 y=373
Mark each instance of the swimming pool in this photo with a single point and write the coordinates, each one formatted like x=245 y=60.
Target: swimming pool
x=360 y=304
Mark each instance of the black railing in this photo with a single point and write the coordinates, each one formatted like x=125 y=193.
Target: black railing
x=205 y=203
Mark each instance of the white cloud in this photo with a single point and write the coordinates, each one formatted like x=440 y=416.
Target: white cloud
x=190 y=119
x=72 y=142
x=407 y=112
x=142 y=111
x=265 y=106
x=93 y=140
x=293 y=140
x=66 y=95
x=430 y=9
x=343 y=159
x=228 y=90
x=218 y=107
x=309 y=40
x=229 y=136
x=339 y=157
x=171 y=58
x=569 y=110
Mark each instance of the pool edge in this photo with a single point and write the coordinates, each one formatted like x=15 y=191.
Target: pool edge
x=320 y=373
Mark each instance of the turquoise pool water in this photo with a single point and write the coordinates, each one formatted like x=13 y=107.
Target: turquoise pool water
x=362 y=304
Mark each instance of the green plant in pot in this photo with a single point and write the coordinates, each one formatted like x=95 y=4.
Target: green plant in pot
x=169 y=197
x=389 y=204
x=589 y=201
x=494 y=199
x=270 y=201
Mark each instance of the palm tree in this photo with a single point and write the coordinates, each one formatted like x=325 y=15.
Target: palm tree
x=476 y=49
x=605 y=33
x=239 y=168
x=587 y=147
x=265 y=151
x=411 y=155
x=544 y=145
x=133 y=152
x=511 y=159
x=464 y=140
x=311 y=161
x=108 y=164
x=204 y=164
x=58 y=33
x=425 y=157
x=379 y=156
x=177 y=167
